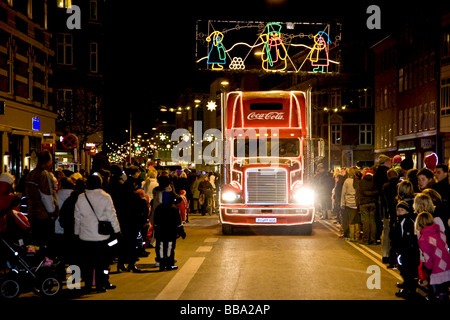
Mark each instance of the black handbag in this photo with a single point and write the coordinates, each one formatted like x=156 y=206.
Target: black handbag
x=104 y=226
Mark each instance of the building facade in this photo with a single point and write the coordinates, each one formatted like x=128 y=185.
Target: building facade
x=79 y=41
x=406 y=92
x=27 y=112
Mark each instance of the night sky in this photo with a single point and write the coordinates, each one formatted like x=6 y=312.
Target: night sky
x=151 y=44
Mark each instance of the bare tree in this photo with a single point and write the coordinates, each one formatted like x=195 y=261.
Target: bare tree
x=80 y=113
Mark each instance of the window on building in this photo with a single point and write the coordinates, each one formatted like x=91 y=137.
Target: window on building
x=400 y=80
x=64 y=3
x=400 y=122
x=425 y=117
x=410 y=76
x=410 y=120
x=30 y=76
x=93 y=57
x=93 y=9
x=336 y=134
x=405 y=84
x=445 y=96
x=445 y=45
x=64 y=49
x=94 y=112
x=432 y=116
x=377 y=137
x=415 y=120
x=365 y=99
x=365 y=134
x=431 y=75
x=419 y=118
x=10 y=69
x=335 y=99
x=65 y=112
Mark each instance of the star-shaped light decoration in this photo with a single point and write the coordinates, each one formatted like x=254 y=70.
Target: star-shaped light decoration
x=211 y=106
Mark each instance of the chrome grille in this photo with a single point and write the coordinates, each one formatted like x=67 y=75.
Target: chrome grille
x=266 y=186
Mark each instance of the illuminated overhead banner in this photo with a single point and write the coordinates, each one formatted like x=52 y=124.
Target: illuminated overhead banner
x=267 y=46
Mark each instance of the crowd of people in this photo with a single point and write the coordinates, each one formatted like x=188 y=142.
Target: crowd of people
x=67 y=211
x=395 y=205
x=405 y=210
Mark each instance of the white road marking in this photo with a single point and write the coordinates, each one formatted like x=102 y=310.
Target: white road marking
x=204 y=249
x=211 y=240
x=176 y=286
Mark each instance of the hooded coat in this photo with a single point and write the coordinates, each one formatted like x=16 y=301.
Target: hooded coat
x=434 y=249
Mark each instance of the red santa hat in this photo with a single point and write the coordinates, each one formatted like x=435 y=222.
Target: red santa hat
x=7 y=177
x=369 y=172
x=431 y=161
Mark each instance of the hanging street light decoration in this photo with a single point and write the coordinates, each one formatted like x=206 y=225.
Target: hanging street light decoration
x=211 y=106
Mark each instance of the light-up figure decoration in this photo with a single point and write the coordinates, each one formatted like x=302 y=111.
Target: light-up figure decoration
x=217 y=56
x=274 y=50
x=319 y=52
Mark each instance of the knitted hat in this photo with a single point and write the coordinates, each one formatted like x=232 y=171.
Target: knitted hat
x=382 y=159
x=403 y=205
x=397 y=159
x=7 y=177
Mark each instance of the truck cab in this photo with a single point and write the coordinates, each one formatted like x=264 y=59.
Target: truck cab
x=267 y=160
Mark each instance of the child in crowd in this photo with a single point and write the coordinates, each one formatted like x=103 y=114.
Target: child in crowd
x=407 y=249
x=434 y=254
x=168 y=227
x=183 y=205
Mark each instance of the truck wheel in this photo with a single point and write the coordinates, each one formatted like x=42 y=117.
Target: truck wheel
x=227 y=229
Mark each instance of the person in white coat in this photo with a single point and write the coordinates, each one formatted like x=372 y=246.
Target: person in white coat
x=94 y=246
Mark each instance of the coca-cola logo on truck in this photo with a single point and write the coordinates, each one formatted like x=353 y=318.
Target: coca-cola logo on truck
x=266 y=116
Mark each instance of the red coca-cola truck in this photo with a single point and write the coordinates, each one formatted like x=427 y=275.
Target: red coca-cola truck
x=269 y=159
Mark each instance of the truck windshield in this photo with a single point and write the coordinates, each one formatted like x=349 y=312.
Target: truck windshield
x=245 y=148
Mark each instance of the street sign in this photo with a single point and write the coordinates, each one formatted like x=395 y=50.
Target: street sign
x=69 y=141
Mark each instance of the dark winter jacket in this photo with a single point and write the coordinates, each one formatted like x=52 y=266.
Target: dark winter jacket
x=404 y=240
x=368 y=193
x=389 y=194
x=167 y=223
x=443 y=188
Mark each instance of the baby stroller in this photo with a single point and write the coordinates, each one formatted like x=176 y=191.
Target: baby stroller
x=25 y=270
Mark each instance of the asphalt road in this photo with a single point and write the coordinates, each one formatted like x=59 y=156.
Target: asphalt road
x=263 y=266
x=265 y=273
x=259 y=264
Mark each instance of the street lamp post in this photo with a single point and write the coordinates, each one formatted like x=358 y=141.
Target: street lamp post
x=223 y=101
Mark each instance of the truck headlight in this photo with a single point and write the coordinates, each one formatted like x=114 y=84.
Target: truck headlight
x=230 y=196
x=303 y=196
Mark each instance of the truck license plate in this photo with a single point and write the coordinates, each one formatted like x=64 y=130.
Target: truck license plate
x=266 y=220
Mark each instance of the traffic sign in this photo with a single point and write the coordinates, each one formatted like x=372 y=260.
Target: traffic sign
x=69 y=141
